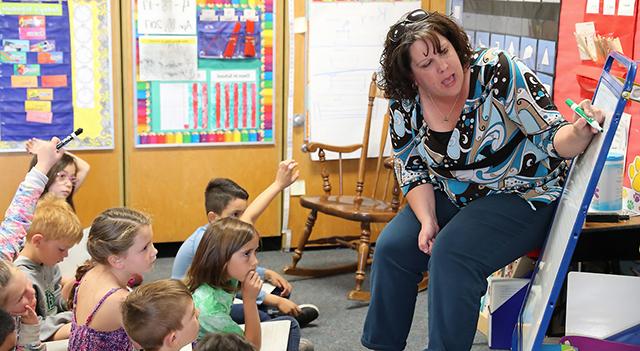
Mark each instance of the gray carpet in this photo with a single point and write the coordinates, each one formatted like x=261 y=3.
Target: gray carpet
x=340 y=323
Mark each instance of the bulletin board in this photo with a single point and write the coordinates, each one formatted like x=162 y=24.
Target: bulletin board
x=204 y=72
x=55 y=62
x=528 y=30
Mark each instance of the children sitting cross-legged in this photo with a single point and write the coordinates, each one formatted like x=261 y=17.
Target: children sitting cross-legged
x=224 y=342
x=226 y=256
x=160 y=316
x=8 y=335
x=120 y=244
x=54 y=230
x=225 y=198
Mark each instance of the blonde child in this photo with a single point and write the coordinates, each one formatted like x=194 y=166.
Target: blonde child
x=17 y=295
x=160 y=316
x=227 y=255
x=54 y=230
x=120 y=244
x=224 y=342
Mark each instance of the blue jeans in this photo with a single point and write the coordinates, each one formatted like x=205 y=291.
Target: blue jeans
x=473 y=242
x=237 y=310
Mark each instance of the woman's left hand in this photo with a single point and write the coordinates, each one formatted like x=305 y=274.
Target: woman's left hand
x=581 y=124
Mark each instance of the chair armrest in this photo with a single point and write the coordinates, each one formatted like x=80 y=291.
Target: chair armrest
x=313 y=147
x=388 y=162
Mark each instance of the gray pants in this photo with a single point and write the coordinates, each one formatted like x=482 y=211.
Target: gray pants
x=473 y=242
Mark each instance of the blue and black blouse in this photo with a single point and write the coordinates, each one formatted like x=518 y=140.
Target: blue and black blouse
x=507 y=109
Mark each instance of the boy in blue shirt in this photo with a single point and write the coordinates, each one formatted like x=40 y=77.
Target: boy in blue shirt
x=225 y=198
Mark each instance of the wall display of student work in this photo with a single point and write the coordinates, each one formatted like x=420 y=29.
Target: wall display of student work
x=204 y=72
x=525 y=29
x=55 y=72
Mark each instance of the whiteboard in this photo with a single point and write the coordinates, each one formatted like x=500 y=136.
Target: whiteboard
x=568 y=221
x=345 y=44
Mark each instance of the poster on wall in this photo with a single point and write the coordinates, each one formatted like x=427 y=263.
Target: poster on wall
x=55 y=73
x=345 y=43
x=204 y=72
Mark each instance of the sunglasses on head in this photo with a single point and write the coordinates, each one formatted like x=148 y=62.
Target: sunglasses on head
x=398 y=29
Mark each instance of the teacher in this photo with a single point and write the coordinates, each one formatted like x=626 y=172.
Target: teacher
x=480 y=153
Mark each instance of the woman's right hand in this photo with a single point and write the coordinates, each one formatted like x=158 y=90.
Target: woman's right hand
x=427 y=236
x=251 y=286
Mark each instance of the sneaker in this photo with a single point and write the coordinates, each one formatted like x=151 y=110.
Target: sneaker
x=308 y=314
x=305 y=345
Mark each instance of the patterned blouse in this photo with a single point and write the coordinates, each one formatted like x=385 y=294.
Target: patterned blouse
x=506 y=101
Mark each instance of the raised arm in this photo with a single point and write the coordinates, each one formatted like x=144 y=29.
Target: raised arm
x=18 y=216
x=572 y=139
x=82 y=170
x=285 y=176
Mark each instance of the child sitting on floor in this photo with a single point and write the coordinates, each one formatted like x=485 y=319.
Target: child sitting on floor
x=160 y=316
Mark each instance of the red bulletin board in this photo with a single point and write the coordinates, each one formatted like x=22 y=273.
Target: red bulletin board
x=579 y=77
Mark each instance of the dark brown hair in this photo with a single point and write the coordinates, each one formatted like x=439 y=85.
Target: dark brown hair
x=152 y=311
x=221 y=191
x=53 y=172
x=220 y=241
x=396 y=78
x=224 y=342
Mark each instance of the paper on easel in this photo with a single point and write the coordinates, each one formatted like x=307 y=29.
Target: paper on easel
x=501 y=289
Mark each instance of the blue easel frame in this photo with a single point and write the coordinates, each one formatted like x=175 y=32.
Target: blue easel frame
x=622 y=91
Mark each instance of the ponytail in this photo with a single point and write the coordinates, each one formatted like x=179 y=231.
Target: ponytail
x=80 y=272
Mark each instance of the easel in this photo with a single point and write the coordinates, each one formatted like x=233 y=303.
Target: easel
x=611 y=96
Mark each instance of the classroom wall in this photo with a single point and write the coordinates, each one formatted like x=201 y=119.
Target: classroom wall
x=104 y=186
x=309 y=170
x=169 y=183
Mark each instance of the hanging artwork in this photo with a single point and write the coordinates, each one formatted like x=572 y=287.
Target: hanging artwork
x=204 y=72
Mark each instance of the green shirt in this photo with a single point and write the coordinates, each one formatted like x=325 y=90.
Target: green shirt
x=215 y=310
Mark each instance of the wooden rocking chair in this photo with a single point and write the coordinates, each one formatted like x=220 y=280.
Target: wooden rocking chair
x=377 y=208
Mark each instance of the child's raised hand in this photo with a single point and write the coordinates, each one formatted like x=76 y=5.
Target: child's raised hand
x=251 y=286
x=287 y=173
x=46 y=152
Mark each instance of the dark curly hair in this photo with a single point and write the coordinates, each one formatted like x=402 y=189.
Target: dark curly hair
x=396 y=78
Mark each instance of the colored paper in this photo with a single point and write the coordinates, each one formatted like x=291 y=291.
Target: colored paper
x=54 y=81
x=26 y=70
x=43 y=46
x=24 y=81
x=12 y=8
x=13 y=57
x=15 y=45
x=40 y=117
x=32 y=33
x=37 y=106
x=40 y=94
x=54 y=57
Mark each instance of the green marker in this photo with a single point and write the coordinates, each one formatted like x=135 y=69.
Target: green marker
x=578 y=110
